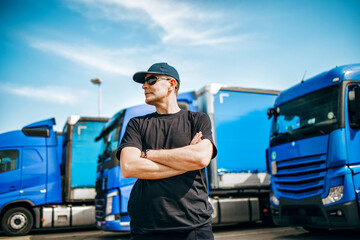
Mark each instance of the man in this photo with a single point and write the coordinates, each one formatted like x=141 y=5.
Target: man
x=167 y=151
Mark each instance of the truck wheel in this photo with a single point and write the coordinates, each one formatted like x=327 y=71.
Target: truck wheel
x=17 y=221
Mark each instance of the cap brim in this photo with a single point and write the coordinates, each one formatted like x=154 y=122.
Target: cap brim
x=139 y=77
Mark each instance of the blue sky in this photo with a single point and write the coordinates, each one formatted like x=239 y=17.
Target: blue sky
x=49 y=50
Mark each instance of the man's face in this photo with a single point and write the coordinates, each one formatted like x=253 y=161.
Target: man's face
x=157 y=92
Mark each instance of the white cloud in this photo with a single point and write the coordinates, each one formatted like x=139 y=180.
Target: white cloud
x=55 y=94
x=94 y=57
x=182 y=23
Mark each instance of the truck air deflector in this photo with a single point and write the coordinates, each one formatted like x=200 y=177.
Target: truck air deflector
x=48 y=123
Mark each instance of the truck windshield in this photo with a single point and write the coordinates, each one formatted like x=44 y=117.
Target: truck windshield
x=311 y=115
x=110 y=136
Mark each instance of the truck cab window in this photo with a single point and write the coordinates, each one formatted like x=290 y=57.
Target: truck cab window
x=9 y=160
x=114 y=139
x=354 y=106
x=110 y=141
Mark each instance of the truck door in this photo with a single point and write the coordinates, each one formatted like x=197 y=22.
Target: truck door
x=353 y=134
x=10 y=173
x=34 y=175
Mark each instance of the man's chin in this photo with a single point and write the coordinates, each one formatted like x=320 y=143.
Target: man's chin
x=149 y=101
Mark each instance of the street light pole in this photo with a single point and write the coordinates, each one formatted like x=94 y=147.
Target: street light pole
x=97 y=81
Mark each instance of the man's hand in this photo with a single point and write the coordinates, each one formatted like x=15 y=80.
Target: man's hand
x=133 y=166
x=196 y=139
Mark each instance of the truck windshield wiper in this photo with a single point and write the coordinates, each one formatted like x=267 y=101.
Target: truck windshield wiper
x=283 y=135
x=312 y=127
x=305 y=126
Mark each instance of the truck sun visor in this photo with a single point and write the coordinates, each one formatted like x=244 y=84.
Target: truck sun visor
x=36 y=132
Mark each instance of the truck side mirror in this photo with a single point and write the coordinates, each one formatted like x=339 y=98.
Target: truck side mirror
x=273 y=112
x=354 y=107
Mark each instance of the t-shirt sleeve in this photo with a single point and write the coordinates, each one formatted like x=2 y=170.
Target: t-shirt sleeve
x=203 y=124
x=132 y=137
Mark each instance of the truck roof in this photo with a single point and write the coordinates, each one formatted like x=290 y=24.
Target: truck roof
x=47 y=123
x=322 y=80
x=19 y=138
x=214 y=88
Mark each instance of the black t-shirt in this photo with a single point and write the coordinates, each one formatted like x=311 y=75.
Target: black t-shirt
x=178 y=203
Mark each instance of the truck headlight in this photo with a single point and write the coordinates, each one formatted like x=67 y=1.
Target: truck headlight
x=109 y=201
x=274 y=199
x=110 y=218
x=335 y=194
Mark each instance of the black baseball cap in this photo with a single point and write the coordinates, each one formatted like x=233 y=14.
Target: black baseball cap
x=157 y=68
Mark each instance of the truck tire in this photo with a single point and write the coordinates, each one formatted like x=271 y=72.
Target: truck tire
x=17 y=221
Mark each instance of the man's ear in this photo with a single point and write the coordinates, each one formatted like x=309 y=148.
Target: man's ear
x=172 y=84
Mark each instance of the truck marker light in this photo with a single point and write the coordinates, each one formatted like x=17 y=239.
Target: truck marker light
x=335 y=194
x=42 y=220
x=336 y=79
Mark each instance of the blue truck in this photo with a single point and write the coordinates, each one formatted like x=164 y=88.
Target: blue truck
x=238 y=182
x=47 y=179
x=314 y=152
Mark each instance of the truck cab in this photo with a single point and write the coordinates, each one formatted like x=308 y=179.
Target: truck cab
x=314 y=153
x=47 y=178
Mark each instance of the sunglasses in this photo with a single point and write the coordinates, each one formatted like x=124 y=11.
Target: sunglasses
x=151 y=80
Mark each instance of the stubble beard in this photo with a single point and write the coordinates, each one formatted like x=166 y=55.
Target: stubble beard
x=150 y=100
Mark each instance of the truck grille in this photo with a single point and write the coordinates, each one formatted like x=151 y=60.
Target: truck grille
x=301 y=177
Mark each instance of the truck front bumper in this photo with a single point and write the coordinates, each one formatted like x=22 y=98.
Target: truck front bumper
x=115 y=226
x=312 y=213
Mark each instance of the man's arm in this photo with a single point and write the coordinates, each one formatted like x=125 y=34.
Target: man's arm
x=195 y=156
x=134 y=166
